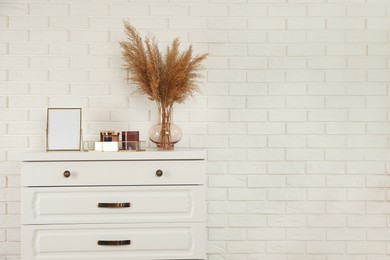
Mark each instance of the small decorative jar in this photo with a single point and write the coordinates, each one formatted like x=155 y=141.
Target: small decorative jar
x=109 y=136
x=130 y=140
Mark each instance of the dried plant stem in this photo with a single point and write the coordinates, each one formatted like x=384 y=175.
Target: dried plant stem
x=166 y=122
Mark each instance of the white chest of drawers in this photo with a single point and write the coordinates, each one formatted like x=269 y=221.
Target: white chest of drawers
x=117 y=206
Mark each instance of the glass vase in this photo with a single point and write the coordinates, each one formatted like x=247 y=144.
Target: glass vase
x=165 y=134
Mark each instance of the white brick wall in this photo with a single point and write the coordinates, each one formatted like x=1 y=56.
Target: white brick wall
x=294 y=112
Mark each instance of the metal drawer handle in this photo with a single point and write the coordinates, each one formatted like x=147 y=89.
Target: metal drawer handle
x=113 y=242
x=66 y=174
x=159 y=173
x=114 y=205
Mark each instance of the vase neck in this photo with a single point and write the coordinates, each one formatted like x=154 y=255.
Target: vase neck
x=164 y=115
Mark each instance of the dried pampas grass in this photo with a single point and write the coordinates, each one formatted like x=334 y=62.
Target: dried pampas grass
x=166 y=79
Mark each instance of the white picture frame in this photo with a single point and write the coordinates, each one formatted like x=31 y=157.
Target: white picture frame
x=63 y=132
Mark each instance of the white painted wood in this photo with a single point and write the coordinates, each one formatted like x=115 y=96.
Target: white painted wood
x=148 y=241
x=165 y=220
x=178 y=154
x=80 y=204
x=112 y=173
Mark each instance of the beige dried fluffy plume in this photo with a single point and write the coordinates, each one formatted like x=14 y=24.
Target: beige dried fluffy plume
x=167 y=79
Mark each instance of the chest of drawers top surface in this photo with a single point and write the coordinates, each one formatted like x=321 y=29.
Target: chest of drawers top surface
x=114 y=156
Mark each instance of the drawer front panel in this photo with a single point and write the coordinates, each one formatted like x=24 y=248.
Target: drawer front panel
x=113 y=204
x=77 y=173
x=87 y=242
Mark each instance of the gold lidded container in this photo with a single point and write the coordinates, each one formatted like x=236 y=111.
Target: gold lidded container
x=109 y=136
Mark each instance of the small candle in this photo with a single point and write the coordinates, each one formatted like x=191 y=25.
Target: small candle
x=109 y=136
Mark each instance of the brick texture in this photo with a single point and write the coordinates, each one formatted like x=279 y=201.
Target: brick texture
x=294 y=112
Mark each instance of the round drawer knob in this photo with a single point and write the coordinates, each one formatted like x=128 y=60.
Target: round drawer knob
x=66 y=174
x=159 y=173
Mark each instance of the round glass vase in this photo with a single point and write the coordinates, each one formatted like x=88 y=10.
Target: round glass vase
x=165 y=134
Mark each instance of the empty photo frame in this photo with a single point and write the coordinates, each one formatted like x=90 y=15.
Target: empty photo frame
x=63 y=129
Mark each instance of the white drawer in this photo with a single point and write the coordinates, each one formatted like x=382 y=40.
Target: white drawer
x=112 y=173
x=122 y=204
x=80 y=242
